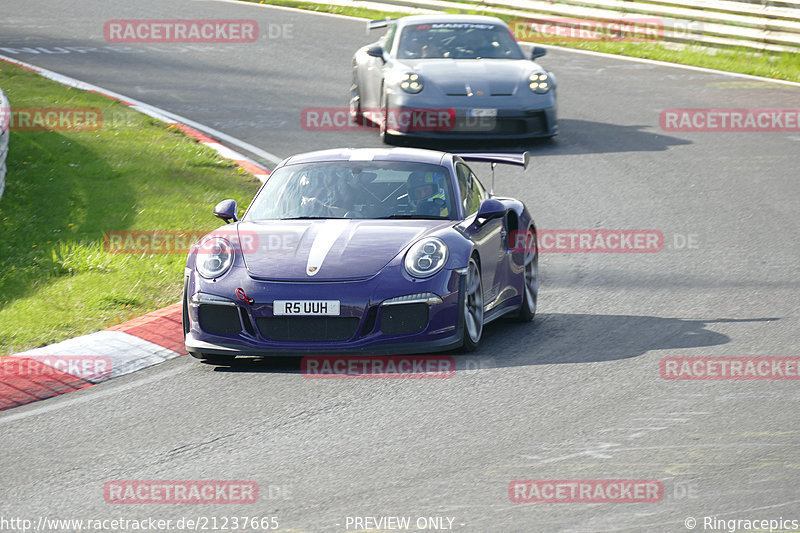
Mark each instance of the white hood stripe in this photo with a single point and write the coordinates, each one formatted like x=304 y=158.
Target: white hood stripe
x=327 y=235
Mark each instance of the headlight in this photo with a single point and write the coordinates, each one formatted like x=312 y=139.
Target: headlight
x=539 y=82
x=426 y=257
x=411 y=83
x=214 y=257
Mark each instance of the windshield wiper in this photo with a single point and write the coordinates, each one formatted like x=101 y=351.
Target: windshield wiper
x=411 y=215
x=309 y=218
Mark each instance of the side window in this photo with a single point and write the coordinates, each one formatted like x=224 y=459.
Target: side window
x=388 y=39
x=463 y=175
x=478 y=193
x=471 y=190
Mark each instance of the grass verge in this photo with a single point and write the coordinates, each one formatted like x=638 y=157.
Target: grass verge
x=779 y=66
x=776 y=65
x=66 y=189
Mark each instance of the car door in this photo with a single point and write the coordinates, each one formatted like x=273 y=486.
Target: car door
x=373 y=70
x=489 y=236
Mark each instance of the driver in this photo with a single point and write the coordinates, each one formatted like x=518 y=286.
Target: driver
x=411 y=45
x=425 y=193
x=338 y=196
x=312 y=186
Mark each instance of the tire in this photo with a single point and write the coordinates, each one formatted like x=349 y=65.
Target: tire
x=213 y=359
x=386 y=137
x=530 y=283
x=472 y=308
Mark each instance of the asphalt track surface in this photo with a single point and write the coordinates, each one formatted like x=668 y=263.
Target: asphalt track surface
x=575 y=395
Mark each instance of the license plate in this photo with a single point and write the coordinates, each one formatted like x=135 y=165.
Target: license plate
x=481 y=112
x=306 y=307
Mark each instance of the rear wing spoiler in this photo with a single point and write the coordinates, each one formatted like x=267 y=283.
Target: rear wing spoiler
x=382 y=23
x=504 y=158
x=520 y=160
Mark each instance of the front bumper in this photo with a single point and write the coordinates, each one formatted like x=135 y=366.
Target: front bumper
x=508 y=124
x=454 y=117
x=369 y=321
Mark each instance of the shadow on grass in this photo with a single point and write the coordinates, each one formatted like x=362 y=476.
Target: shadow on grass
x=57 y=192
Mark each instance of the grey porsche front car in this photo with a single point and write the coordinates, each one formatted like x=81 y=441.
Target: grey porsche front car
x=452 y=77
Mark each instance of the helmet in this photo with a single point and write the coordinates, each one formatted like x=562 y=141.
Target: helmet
x=425 y=187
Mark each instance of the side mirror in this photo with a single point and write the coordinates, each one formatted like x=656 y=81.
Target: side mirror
x=375 y=51
x=490 y=209
x=226 y=210
x=538 y=52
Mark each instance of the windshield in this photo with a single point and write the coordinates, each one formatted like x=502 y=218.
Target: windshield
x=458 y=41
x=355 y=189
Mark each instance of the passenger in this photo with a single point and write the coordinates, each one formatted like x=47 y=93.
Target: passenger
x=482 y=44
x=312 y=189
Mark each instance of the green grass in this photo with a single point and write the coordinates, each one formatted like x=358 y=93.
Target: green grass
x=776 y=65
x=64 y=190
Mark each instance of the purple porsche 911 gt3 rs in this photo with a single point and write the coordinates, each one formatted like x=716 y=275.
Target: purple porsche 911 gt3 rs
x=361 y=251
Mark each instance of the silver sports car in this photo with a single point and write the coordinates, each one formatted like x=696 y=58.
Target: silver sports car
x=452 y=77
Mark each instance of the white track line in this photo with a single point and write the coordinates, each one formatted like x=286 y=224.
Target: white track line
x=573 y=50
x=90 y=394
x=673 y=65
x=155 y=112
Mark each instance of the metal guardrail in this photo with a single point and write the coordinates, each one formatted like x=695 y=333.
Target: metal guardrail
x=771 y=25
x=708 y=22
x=5 y=122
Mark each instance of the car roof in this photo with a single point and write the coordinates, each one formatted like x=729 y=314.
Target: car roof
x=412 y=155
x=447 y=19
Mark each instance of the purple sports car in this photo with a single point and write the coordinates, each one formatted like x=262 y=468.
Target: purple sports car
x=361 y=251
